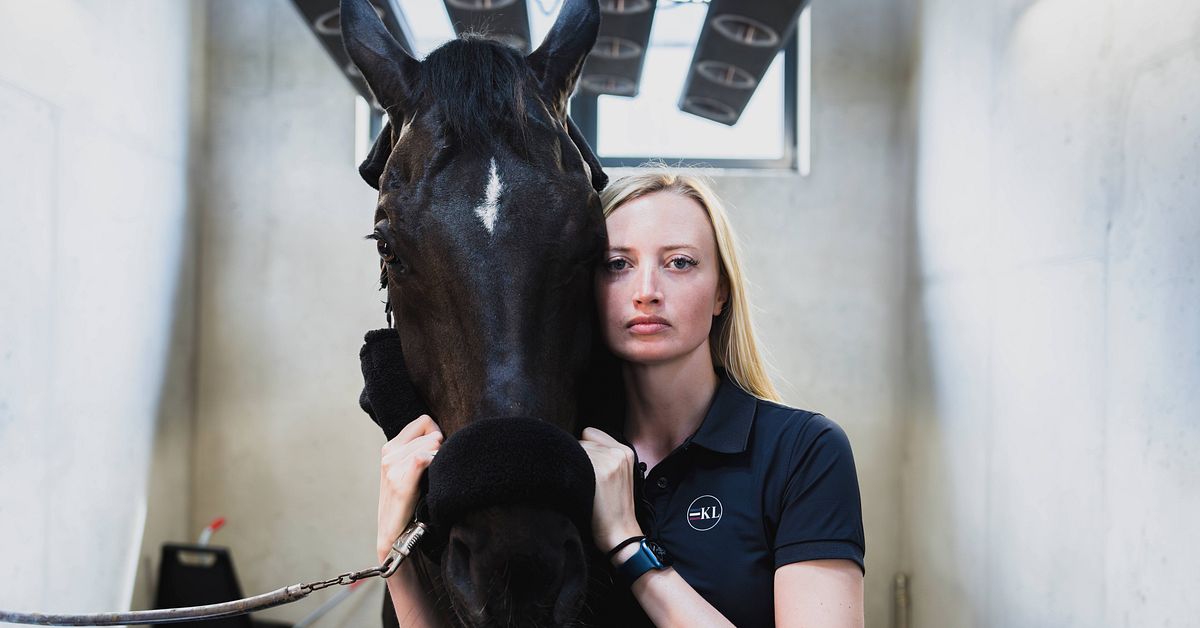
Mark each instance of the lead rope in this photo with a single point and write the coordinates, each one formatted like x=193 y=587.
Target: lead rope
x=400 y=550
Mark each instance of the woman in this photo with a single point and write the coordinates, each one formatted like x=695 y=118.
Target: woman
x=756 y=504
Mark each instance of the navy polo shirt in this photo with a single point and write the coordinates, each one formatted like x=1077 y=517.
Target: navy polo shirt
x=759 y=485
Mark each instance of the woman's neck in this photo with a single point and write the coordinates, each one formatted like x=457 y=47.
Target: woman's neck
x=666 y=402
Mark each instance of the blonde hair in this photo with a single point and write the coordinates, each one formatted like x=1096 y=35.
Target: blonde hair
x=732 y=341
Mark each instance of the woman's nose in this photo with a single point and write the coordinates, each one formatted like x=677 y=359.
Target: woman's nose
x=647 y=287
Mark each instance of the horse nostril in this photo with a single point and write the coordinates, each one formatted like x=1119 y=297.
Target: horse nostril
x=516 y=562
x=573 y=587
x=460 y=553
x=460 y=550
x=459 y=564
x=572 y=547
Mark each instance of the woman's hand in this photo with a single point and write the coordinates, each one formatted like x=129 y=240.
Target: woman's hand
x=405 y=459
x=613 y=518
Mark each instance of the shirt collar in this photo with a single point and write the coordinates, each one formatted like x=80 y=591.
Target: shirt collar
x=726 y=426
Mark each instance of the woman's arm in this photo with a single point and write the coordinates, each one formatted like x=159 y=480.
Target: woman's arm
x=668 y=599
x=413 y=609
x=819 y=594
x=819 y=540
x=404 y=460
x=665 y=596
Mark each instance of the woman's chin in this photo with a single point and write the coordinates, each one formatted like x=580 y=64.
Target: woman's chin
x=649 y=351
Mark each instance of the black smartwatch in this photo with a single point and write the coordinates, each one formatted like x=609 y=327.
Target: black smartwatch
x=650 y=555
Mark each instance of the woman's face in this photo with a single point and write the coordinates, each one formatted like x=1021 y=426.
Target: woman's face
x=658 y=288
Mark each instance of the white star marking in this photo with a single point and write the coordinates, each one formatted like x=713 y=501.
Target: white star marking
x=490 y=206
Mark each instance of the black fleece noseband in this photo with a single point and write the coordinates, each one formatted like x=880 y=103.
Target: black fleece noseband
x=516 y=460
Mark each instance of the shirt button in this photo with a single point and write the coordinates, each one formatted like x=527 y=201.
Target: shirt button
x=662 y=482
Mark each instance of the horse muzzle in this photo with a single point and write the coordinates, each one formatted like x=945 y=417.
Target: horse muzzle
x=509 y=501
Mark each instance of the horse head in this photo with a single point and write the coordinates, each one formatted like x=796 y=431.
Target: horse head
x=489 y=229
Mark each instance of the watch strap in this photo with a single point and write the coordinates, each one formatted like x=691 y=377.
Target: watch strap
x=642 y=561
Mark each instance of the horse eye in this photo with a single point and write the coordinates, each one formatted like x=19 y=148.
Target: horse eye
x=386 y=253
x=397 y=266
x=385 y=250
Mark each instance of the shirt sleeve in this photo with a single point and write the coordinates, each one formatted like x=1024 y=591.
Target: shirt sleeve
x=821 y=508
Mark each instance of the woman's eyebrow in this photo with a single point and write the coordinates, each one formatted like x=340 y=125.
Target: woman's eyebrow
x=668 y=247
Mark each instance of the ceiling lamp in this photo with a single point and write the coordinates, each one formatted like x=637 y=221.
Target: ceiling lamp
x=615 y=64
x=738 y=42
x=625 y=7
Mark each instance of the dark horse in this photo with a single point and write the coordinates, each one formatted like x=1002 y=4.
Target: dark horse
x=489 y=229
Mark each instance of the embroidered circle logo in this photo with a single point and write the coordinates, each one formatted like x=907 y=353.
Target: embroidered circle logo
x=704 y=513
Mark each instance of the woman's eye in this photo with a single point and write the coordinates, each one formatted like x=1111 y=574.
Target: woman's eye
x=615 y=264
x=680 y=263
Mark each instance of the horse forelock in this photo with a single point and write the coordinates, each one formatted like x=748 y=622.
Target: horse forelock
x=484 y=91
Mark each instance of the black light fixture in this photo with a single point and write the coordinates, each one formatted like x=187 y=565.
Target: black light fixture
x=615 y=63
x=737 y=44
x=506 y=21
x=324 y=20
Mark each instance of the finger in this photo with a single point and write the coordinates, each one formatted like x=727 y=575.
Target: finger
x=419 y=426
x=591 y=448
x=607 y=452
x=428 y=442
x=420 y=460
x=614 y=449
x=599 y=436
x=422 y=425
x=404 y=475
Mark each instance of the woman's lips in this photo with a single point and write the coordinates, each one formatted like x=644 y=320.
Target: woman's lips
x=643 y=325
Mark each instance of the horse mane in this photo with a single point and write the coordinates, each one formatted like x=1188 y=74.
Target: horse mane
x=484 y=90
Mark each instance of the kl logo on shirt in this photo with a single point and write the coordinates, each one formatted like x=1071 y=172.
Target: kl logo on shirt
x=704 y=513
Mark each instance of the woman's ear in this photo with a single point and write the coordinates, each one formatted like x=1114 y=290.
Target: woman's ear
x=722 y=296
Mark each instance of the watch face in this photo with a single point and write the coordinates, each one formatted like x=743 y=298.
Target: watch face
x=659 y=552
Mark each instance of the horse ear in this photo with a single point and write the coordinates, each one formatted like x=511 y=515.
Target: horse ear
x=599 y=179
x=559 y=60
x=372 y=167
x=389 y=70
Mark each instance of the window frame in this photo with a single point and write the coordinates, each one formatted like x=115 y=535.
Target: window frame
x=584 y=111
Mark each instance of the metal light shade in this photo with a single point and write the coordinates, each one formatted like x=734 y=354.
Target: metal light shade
x=615 y=64
x=737 y=44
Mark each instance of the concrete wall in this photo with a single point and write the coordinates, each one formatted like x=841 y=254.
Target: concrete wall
x=95 y=113
x=1052 y=468
x=287 y=290
x=826 y=257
